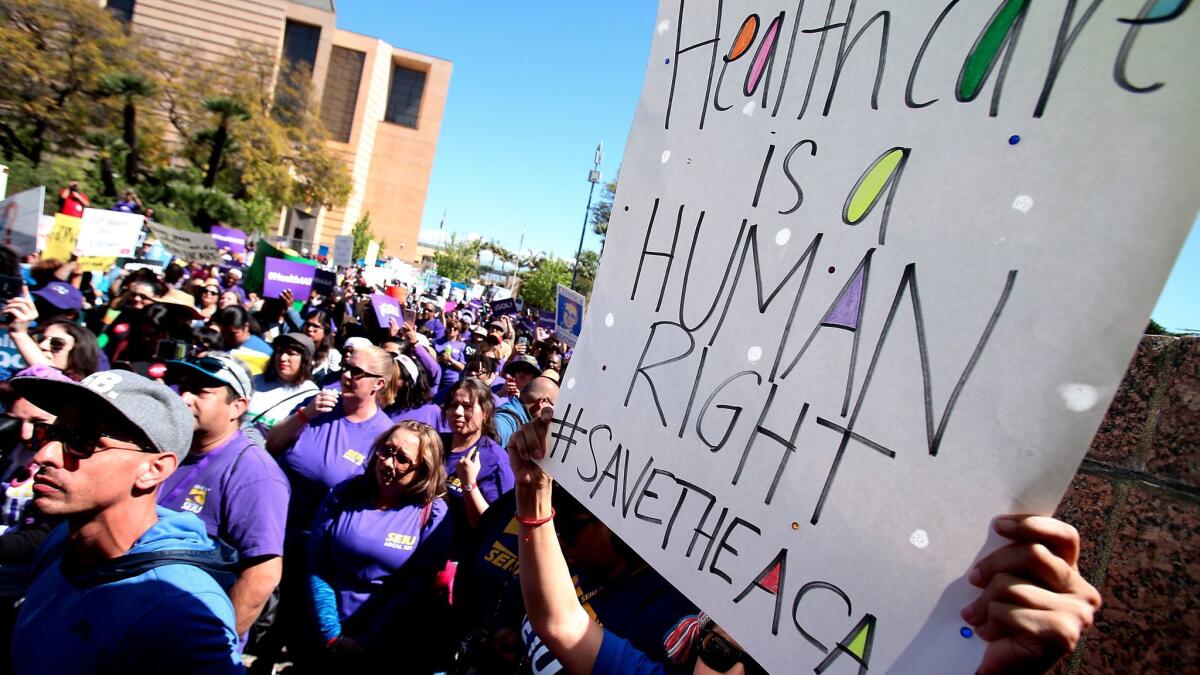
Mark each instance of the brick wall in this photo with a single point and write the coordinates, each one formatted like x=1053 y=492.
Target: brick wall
x=1136 y=503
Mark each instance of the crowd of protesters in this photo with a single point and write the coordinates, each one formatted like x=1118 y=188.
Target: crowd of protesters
x=200 y=478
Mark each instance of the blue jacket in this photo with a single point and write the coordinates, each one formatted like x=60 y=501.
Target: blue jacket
x=508 y=418
x=160 y=608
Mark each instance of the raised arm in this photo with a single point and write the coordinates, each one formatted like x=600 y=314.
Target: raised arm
x=550 y=600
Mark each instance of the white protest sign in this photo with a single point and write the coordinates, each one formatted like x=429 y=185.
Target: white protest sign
x=372 y=253
x=568 y=315
x=105 y=233
x=343 y=250
x=874 y=274
x=20 y=216
x=191 y=246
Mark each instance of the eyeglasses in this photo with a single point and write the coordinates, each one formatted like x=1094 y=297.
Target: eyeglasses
x=387 y=452
x=209 y=291
x=80 y=444
x=312 y=326
x=357 y=373
x=141 y=297
x=57 y=344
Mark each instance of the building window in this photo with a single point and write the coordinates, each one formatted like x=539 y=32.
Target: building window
x=404 y=97
x=300 y=44
x=341 y=92
x=122 y=10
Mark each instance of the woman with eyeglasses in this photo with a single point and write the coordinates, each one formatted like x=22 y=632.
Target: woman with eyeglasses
x=377 y=543
x=329 y=439
x=59 y=343
x=327 y=361
x=477 y=465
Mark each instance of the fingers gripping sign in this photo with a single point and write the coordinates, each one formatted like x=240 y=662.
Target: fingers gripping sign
x=528 y=445
x=1035 y=605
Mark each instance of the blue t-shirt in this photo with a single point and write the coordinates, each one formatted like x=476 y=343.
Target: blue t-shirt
x=328 y=451
x=166 y=619
x=240 y=493
x=355 y=547
x=618 y=657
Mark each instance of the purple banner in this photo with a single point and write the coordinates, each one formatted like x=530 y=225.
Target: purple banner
x=281 y=274
x=504 y=307
x=386 y=308
x=228 y=237
x=546 y=319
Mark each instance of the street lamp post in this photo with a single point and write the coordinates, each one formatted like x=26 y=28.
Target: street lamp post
x=593 y=178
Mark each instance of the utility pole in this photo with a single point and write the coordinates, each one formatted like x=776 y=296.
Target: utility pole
x=593 y=178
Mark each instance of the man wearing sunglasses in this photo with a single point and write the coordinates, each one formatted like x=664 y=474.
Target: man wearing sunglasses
x=125 y=586
x=227 y=480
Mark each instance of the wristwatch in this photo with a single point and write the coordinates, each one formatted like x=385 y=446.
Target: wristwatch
x=467 y=487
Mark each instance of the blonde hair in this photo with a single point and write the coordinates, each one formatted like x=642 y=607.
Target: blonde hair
x=430 y=480
x=381 y=363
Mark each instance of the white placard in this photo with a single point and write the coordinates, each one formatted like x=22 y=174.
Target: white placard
x=105 y=233
x=20 y=216
x=343 y=250
x=191 y=246
x=851 y=307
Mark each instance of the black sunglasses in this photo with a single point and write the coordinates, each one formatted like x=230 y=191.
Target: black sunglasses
x=357 y=373
x=79 y=444
x=56 y=344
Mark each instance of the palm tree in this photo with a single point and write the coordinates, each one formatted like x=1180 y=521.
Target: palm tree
x=129 y=86
x=226 y=109
x=107 y=147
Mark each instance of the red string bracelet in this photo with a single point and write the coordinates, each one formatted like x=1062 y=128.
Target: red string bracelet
x=533 y=523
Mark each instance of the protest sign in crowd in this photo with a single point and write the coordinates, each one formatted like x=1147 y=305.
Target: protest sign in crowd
x=220 y=454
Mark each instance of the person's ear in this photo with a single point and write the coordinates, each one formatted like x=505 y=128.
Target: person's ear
x=238 y=407
x=155 y=469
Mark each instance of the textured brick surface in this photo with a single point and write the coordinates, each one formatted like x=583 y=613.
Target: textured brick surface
x=1087 y=505
x=1124 y=425
x=1151 y=615
x=1175 y=449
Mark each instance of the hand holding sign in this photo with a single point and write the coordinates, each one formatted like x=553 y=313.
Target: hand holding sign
x=1035 y=605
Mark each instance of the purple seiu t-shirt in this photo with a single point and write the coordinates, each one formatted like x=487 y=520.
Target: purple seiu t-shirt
x=354 y=547
x=239 y=492
x=495 y=474
x=329 y=450
x=457 y=352
x=429 y=414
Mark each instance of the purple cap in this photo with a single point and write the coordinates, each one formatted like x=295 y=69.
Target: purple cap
x=61 y=294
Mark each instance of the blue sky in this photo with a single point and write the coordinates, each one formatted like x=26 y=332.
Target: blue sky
x=536 y=85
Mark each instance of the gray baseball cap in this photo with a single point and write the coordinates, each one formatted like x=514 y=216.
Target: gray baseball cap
x=144 y=404
x=220 y=367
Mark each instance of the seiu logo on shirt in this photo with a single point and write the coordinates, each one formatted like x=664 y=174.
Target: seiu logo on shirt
x=403 y=542
x=503 y=558
x=195 y=499
x=453 y=484
x=354 y=457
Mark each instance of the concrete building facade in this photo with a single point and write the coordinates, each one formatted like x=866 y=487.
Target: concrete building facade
x=382 y=105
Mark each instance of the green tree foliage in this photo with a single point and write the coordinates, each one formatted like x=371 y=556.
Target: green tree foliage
x=245 y=137
x=602 y=209
x=362 y=236
x=130 y=87
x=55 y=55
x=589 y=263
x=458 y=260
x=539 y=286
